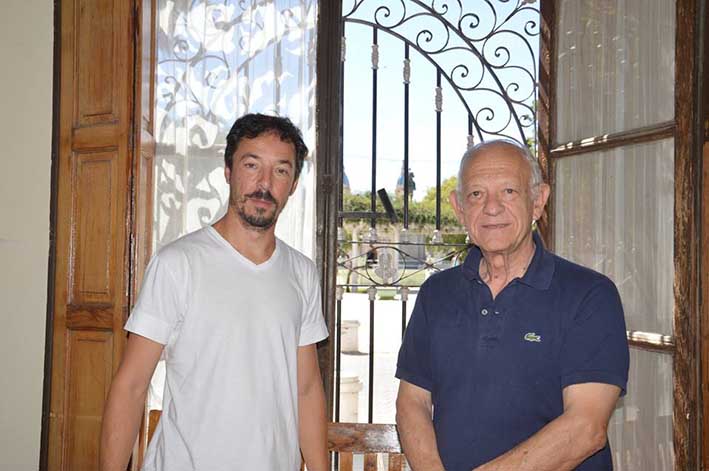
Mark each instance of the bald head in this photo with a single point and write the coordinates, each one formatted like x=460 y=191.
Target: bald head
x=535 y=172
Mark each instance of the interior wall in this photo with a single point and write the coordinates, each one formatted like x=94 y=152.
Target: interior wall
x=26 y=49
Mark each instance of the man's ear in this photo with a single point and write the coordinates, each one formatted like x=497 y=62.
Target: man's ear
x=227 y=174
x=453 y=199
x=541 y=200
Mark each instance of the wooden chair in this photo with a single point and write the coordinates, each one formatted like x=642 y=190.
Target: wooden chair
x=347 y=440
x=368 y=440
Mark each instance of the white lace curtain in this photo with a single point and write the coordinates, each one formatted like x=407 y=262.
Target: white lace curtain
x=218 y=60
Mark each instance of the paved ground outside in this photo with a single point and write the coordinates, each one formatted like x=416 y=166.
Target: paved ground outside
x=387 y=340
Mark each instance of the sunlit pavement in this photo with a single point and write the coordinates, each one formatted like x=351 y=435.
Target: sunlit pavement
x=387 y=339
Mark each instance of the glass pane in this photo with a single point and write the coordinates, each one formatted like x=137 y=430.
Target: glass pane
x=615 y=68
x=640 y=430
x=614 y=213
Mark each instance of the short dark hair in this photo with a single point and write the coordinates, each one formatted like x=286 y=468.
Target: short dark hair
x=253 y=125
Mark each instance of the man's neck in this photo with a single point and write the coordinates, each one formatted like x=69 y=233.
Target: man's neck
x=497 y=270
x=255 y=244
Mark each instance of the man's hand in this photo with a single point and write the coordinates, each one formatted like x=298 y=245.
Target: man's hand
x=413 y=418
x=126 y=402
x=311 y=410
x=568 y=440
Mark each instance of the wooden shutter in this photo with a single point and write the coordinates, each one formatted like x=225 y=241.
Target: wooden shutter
x=104 y=180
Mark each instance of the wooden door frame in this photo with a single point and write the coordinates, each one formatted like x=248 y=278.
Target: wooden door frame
x=328 y=148
x=703 y=148
x=689 y=258
x=49 y=323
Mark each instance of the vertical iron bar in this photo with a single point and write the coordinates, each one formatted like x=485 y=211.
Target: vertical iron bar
x=406 y=139
x=338 y=357
x=370 y=405
x=404 y=293
x=342 y=133
x=373 y=222
x=438 y=152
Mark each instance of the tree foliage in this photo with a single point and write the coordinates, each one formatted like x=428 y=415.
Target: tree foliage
x=422 y=213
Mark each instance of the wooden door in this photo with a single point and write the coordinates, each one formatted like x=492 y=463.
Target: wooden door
x=103 y=194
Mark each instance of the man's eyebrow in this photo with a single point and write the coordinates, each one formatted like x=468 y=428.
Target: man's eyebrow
x=258 y=157
x=249 y=154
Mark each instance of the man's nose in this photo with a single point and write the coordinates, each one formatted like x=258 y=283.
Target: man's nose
x=492 y=205
x=265 y=179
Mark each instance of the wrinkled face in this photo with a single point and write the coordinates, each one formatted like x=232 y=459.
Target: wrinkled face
x=496 y=204
x=261 y=179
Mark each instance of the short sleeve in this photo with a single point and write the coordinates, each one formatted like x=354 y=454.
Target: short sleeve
x=312 y=328
x=595 y=348
x=161 y=302
x=414 y=362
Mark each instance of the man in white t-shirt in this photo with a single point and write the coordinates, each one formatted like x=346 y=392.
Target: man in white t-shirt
x=236 y=314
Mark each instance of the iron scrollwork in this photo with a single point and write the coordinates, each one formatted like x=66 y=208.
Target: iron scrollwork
x=485 y=50
x=384 y=264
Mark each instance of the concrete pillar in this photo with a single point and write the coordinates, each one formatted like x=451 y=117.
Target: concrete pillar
x=349 y=336
x=350 y=387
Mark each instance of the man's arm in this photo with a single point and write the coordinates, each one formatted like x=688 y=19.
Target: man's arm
x=126 y=402
x=568 y=440
x=311 y=410
x=415 y=425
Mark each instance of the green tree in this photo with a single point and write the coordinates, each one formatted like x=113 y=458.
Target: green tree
x=428 y=204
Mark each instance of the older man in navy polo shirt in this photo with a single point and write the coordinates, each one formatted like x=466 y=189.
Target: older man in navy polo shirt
x=515 y=360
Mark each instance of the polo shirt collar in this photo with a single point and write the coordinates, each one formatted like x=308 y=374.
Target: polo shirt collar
x=538 y=275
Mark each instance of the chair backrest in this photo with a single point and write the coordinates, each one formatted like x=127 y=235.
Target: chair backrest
x=347 y=440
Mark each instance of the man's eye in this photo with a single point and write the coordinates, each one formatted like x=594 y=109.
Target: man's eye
x=510 y=191
x=283 y=171
x=475 y=194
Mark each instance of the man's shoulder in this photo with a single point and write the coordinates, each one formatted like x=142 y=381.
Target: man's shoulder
x=297 y=260
x=444 y=280
x=184 y=247
x=572 y=275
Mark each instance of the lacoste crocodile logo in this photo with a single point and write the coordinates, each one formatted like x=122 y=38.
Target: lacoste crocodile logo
x=532 y=337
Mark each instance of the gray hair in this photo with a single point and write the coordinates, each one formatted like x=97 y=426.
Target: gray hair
x=535 y=178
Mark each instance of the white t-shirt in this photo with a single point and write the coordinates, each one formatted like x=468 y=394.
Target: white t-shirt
x=231 y=331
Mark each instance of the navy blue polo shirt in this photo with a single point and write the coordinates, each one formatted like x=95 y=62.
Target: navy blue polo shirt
x=496 y=368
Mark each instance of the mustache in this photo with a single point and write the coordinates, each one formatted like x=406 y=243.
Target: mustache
x=264 y=195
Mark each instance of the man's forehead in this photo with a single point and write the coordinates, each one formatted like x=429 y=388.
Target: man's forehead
x=498 y=160
x=266 y=145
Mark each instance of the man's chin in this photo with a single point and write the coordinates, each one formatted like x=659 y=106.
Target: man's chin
x=258 y=221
